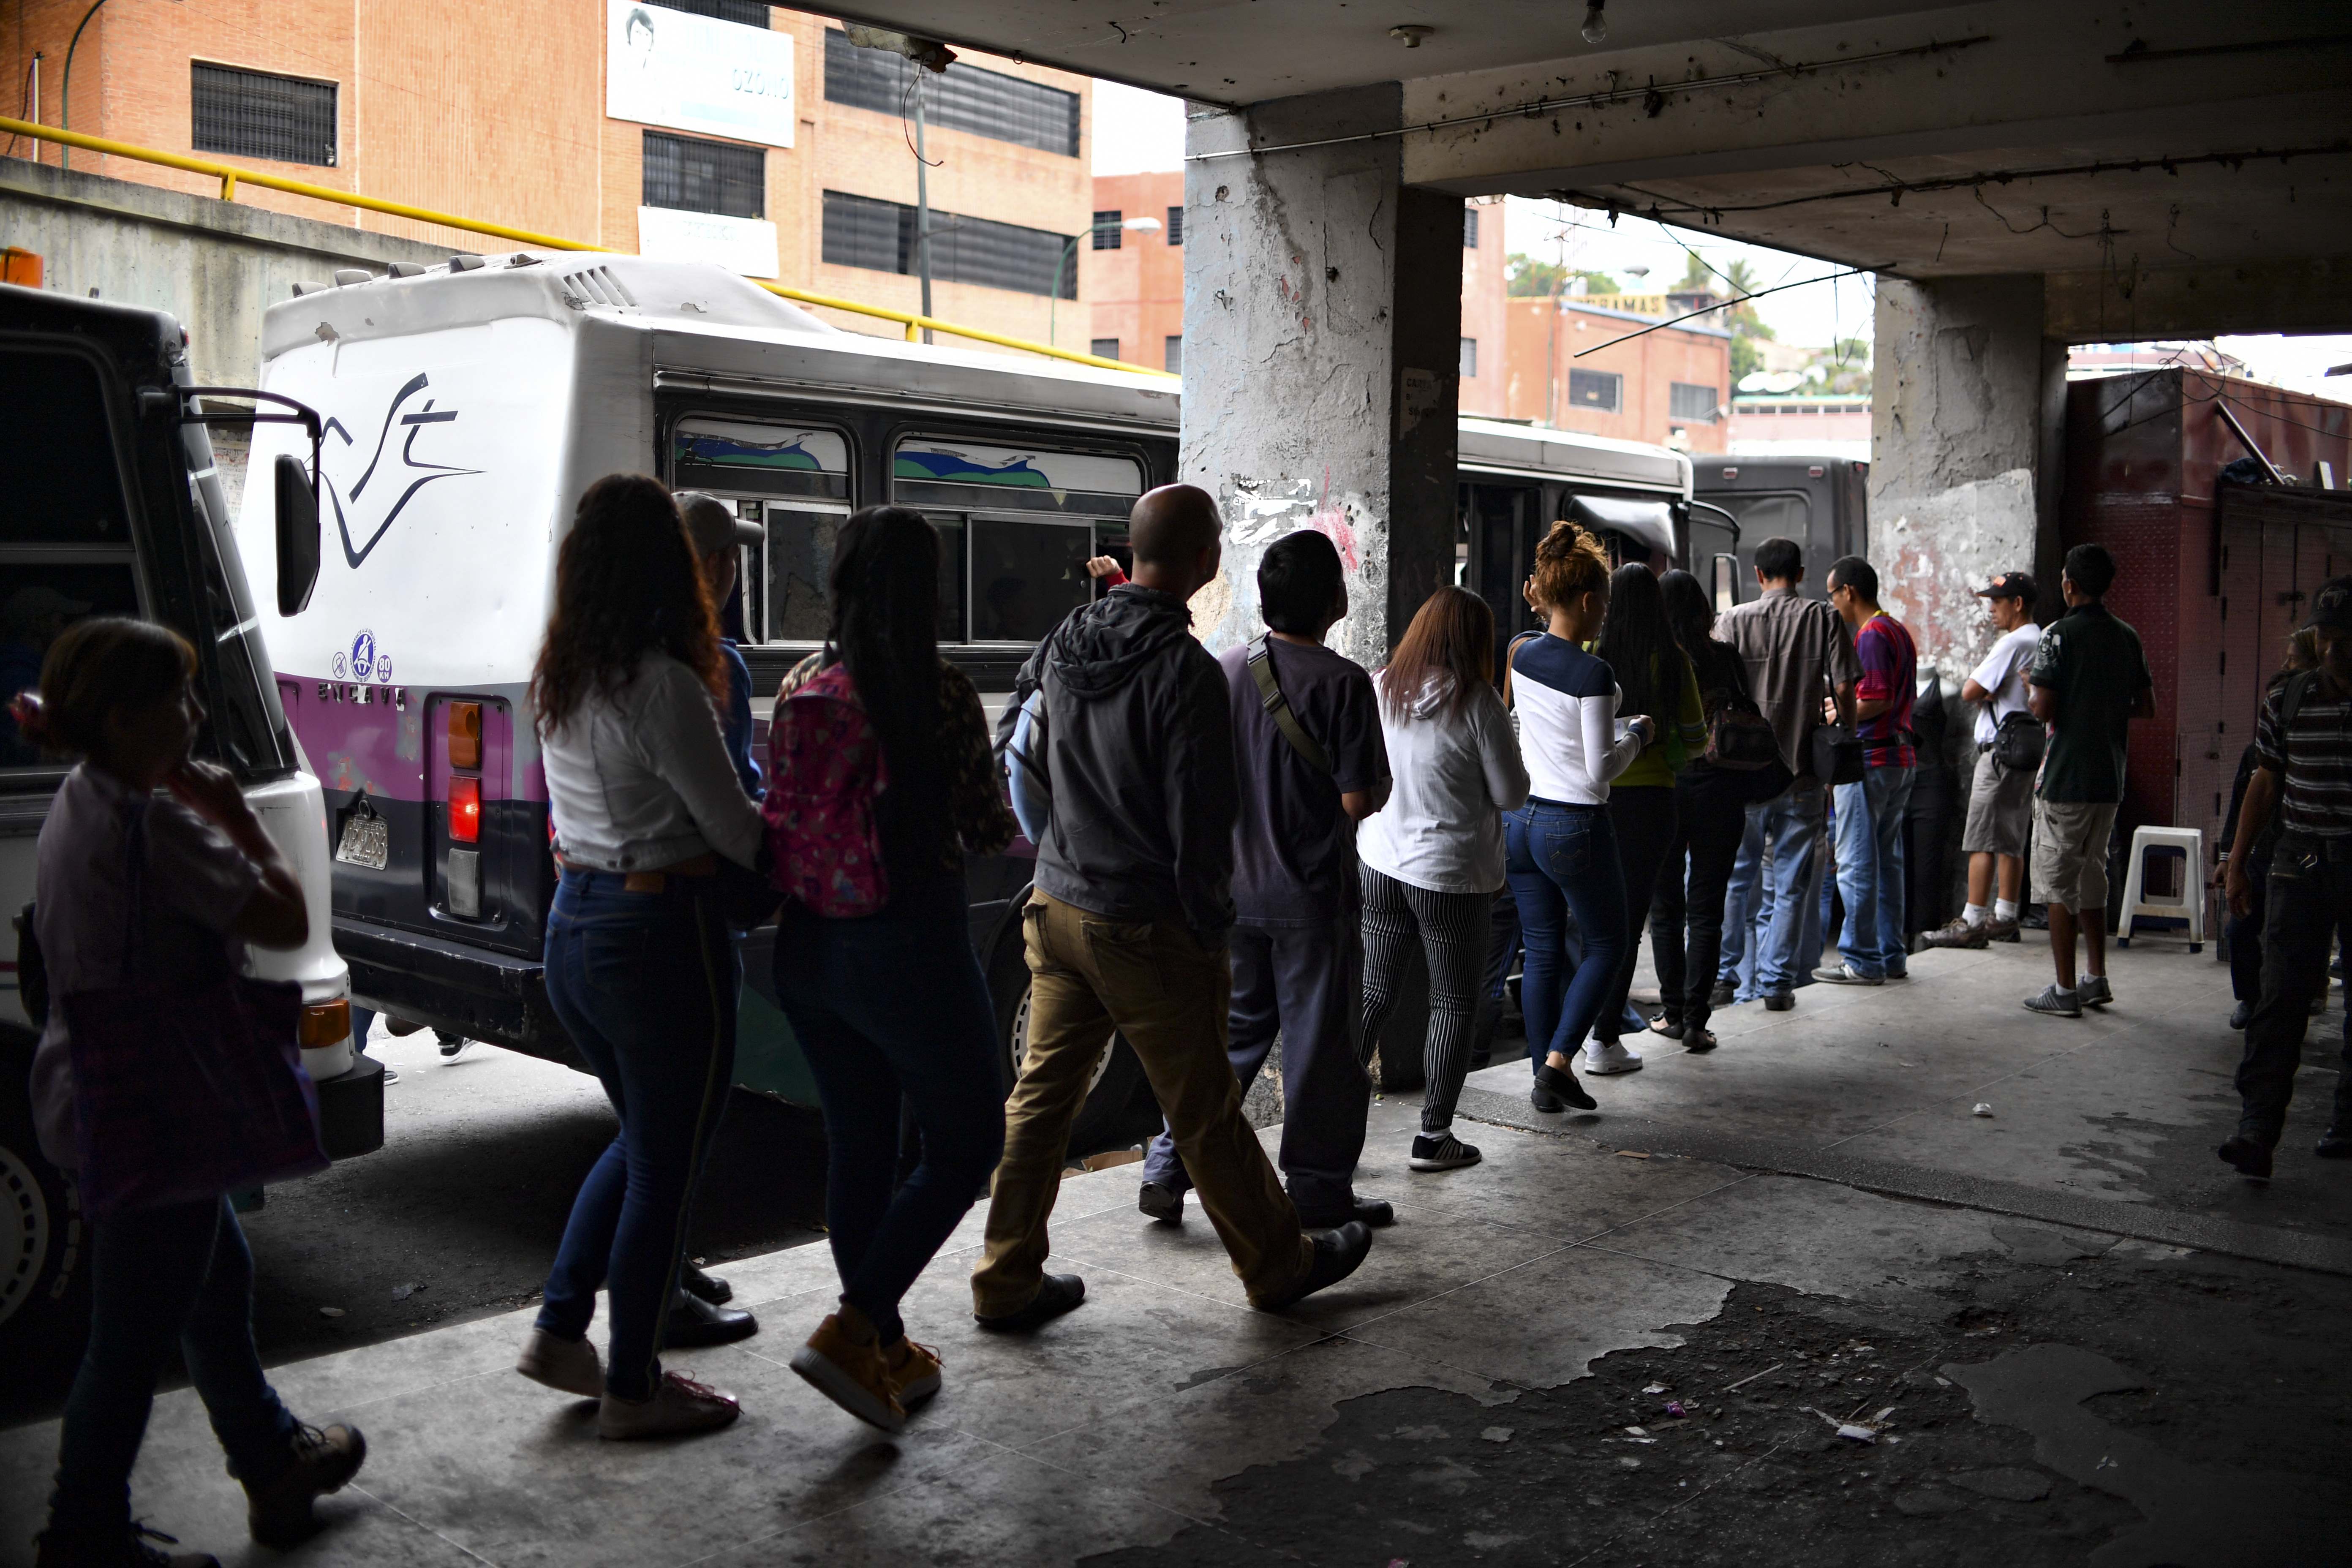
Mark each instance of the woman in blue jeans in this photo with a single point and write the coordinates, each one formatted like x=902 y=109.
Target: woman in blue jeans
x=890 y=1007
x=641 y=969
x=1560 y=853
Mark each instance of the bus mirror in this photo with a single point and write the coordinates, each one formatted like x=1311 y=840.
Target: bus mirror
x=297 y=536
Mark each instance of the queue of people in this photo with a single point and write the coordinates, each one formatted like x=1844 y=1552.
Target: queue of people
x=1228 y=848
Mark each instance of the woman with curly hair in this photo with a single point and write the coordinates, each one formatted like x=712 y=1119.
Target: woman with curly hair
x=640 y=966
x=1560 y=851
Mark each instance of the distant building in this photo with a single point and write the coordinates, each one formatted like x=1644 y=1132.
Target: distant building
x=1671 y=385
x=1485 y=348
x=726 y=131
x=1837 y=424
x=2109 y=359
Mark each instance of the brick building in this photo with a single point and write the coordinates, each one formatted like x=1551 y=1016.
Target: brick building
x=1132 y=278
x=719 y=129
x=1670 y=387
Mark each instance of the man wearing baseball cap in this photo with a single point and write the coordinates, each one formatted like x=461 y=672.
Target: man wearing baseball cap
x=718 y=535
x=2000 y=795
x=2303 y=765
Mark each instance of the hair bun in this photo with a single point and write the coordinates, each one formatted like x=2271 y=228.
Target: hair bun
x=1567 y=539
x=32 y=716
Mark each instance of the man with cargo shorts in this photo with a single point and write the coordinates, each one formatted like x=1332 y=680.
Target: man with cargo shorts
x=2000 y=799
x=2088 y=681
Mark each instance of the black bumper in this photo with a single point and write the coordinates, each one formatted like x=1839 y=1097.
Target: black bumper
x=469 y=991
x=351 y=1109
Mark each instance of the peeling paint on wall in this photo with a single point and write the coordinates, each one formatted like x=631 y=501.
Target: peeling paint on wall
x=1933 y=554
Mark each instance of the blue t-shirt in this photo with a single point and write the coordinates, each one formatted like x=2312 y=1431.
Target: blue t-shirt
x=735 y=724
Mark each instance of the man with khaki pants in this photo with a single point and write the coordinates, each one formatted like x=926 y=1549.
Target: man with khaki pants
x=1127 y=927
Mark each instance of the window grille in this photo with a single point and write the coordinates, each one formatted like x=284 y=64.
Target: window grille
x=1469 y=228
x=966 y=98
x=696 y=176
x=253 y=115
x=1597 y=389
x=1175 y=225
x=1104 y=348
x=860 y=231
x=1469 y=356
x=749 y=13
x=1107 y=230
x=1172 y=356
x=1687 y=400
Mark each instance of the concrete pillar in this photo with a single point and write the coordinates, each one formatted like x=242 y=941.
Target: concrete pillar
x=1322 y=331
x=1967 y=413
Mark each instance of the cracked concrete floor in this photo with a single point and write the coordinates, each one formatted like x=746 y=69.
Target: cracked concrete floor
x=2190 y=1404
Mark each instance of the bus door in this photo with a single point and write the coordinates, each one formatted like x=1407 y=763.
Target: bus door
x=1494 y=549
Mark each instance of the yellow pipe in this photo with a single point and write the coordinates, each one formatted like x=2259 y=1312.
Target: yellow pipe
x=230 y=174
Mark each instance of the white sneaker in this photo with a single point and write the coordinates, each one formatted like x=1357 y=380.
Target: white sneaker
x=1843 y=974
x=1602 y=1057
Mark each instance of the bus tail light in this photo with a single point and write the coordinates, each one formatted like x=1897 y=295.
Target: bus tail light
x=465 y=735
x=326 y=1024
x=465 y=810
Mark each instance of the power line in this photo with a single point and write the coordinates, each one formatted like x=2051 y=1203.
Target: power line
x=1656 y=326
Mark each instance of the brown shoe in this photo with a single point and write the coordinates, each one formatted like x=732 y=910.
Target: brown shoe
x=843 y=1360
x=278 y=1512
x=2000 y=929
x=913 y=1371
x=678 y=1406
x=1958 y=932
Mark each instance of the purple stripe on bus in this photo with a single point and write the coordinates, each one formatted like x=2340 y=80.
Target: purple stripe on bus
x=376 y=741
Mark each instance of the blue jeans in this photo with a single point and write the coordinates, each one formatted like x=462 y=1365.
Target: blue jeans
x=1561 y=862
x=176 y=1275
x=1786 y=935
x=1502 y=950
x=891 y=1007
x=645 y=983
x=1870 y=875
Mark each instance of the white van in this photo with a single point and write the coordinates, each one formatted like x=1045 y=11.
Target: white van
x=467 y=407
x=114 y=508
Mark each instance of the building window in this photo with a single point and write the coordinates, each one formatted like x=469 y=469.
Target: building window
x=1469 y=356
x=748 y=12
x=1107 y=230
x=983 y=103
x=698 y=176
x=1601 y=390
x=1469 y=228
x=1688 y=400
x=860 y=231
x=1104 y=348
x=1172 y=356
x=1175 y=225
x=252 y=114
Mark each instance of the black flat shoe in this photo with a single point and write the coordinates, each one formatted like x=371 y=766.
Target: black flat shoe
x=710 y=1288
x=1057 y=1295
x=694 y=1322
x=2241 y=1015
x=1543 y=1099
x=1336 y=1254
x=1561 y=1082
x=1372 y=1211
x=1162 y=1203
x=1723 y=993
x=2251 y=1156
x=1698 y=1039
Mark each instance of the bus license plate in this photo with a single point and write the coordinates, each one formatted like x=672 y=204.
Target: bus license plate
x=366 y=841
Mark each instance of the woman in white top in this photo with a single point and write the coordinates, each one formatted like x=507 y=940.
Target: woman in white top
x=1561 y=854
x=641 y=969
x=1433 y=859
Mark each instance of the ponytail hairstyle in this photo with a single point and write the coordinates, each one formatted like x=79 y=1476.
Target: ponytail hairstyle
x=1638 y=642
x=1569 y=562
x=627 y=585
x=96 y=667
x=886 y=624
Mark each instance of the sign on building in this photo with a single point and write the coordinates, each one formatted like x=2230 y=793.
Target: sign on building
x=741 y=245
x=695 y=73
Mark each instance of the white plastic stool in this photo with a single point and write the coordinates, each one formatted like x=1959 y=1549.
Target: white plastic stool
x=2189 y=906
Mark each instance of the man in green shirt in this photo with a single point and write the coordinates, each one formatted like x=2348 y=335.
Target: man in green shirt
x=2089 y=681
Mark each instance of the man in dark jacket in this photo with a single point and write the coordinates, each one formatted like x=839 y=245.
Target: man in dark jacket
x=1127 y=927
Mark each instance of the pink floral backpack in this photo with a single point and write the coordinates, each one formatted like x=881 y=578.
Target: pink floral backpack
x=825 y=767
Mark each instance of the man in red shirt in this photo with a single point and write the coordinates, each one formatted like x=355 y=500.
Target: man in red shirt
x=1870 y=814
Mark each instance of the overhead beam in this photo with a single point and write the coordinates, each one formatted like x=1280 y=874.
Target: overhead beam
x=2108 y=305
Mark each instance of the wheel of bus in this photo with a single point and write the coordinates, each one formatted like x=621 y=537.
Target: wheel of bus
x=1106 y=1120
x=44 y=1245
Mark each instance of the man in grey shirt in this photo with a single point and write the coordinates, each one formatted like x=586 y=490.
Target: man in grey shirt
x=1797 y=652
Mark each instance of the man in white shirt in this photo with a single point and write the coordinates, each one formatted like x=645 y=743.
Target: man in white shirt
x=2000 y=799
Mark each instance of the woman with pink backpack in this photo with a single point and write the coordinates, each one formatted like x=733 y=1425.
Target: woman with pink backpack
x=880 y=781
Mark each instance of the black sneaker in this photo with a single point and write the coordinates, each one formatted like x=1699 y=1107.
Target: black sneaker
x=1162 y=1203
x=1057 y=1295
x=1336 y=1254
x=450 y=1043
x=2336 y=1144
x=1561 y=1082
x=1442 y=1152
x=1723 y=994
x=1780 y=1001
x=2241 y=1014
x=2250 y=1154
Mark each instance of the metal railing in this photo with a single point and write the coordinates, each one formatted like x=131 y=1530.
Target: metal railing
x=230 y=176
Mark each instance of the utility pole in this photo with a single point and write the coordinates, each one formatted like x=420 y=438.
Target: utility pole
x=922 y=206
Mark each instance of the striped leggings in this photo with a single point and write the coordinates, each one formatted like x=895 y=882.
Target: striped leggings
x=1451 y=931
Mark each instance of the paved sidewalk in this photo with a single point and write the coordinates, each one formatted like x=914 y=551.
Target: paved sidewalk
x=1557 y=1295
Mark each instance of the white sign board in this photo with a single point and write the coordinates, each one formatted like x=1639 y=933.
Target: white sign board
x=741 y=245
x=695 y=73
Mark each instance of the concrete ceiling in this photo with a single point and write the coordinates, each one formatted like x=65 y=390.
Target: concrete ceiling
x=1917 y=139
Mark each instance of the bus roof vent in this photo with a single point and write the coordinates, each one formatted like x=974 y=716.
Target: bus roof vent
x=347 y=276
x=598 y=286
x=403 y=269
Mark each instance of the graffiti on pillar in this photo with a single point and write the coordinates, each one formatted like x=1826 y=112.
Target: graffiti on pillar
x=1257 y=512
